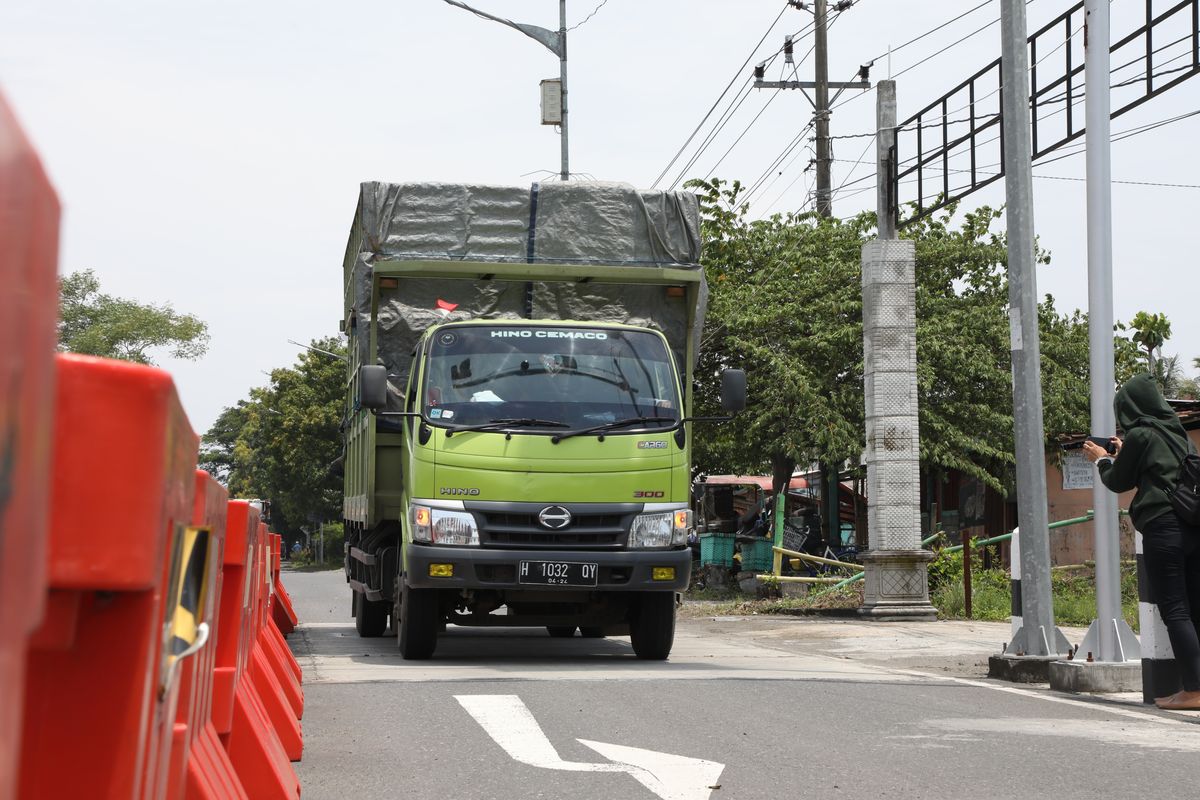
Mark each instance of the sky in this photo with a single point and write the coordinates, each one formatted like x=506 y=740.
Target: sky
x=208 y=154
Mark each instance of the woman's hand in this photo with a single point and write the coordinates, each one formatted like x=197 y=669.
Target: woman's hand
x=1092 y=452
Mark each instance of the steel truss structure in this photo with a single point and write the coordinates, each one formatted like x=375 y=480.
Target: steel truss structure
x=957 y=139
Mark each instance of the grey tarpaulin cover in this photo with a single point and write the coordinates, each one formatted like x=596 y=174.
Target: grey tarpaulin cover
x=577 y=223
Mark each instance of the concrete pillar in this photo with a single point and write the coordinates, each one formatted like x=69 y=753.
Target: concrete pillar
x=897 y=584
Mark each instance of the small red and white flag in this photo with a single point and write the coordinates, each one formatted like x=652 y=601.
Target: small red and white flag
x=445 y=307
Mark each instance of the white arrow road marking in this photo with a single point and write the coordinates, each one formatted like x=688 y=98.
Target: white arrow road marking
x=512 y=726
x=670 y=777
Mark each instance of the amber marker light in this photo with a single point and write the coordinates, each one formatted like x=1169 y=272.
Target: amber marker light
x=421 y=516
x=663 y=573
x=441 y=570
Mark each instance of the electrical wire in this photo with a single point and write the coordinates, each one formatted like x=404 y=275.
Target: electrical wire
x=762 y=110
x=595 y=11
x=931 y=31
x=740 y=71
x=796 y=140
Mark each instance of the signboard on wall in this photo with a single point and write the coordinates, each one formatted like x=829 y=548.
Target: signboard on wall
x=1077 y=471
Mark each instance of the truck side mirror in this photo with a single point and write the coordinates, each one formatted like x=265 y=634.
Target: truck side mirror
x=372 y=386
x=733 y=390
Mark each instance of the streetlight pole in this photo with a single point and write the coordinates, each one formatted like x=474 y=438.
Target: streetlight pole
x=562 y=76
x=555 y=42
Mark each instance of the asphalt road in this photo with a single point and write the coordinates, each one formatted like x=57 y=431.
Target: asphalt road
x=745 y=708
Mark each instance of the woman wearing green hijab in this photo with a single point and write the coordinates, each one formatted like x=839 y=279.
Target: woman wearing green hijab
x=1148 y=460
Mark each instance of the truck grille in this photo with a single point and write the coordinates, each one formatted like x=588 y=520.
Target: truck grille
x=516 y=525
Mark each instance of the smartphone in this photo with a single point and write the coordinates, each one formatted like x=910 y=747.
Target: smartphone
x=1105 y=442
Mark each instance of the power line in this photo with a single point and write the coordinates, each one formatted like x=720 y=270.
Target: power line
x=728 y=115
x=740 y=71
x=595 y=11
x=892 y=50
x=766 y=105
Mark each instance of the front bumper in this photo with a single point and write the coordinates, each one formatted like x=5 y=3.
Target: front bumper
x=488 y=568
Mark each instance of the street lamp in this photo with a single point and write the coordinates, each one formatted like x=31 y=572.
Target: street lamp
x=555 y=42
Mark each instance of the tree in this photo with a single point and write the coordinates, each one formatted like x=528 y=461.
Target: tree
x=1150 y=331
x=98 y=324
x=786 y=305
x=281 y=442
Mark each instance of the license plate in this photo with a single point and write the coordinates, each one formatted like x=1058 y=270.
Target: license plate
x=558 y=573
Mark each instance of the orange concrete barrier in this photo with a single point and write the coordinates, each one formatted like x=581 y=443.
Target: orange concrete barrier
x=121 y=507
x=29 y=215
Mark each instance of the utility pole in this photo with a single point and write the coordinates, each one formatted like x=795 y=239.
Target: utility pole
x=1038 y=635
x=820 y=99
x=831 y=512
x=821 y=75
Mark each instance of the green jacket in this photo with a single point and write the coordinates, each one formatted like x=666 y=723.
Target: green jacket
x=1148 y=461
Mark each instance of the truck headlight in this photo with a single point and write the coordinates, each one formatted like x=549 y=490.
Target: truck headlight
x=665 y=529
x=440 y=526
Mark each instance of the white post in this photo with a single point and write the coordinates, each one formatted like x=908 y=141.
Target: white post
x=1109 y=637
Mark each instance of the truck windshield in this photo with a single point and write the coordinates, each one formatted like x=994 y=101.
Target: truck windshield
x=552 y=378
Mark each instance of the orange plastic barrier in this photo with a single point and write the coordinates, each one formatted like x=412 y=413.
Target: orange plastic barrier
x=282 y=611
x=200 y=766
x=267 y=681
x=102 y=677
x=243 y=721
x=29 y=215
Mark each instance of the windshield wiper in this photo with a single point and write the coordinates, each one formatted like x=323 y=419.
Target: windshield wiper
x=608 y=426
x=526 y=422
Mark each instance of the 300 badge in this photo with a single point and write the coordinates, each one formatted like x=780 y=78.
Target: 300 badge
x=640 y=495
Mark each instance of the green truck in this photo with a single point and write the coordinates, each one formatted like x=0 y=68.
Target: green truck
x=517 y=438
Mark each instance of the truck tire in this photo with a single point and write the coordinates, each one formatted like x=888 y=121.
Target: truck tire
x=590 y=632
x=561 y=631
x=652 y=629
x=419 y=623
x=370 y=618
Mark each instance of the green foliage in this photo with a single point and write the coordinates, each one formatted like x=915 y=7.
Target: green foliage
x=1150 y=332
x=1073 y=592
x=786 y=305
x=281 y=442
x=97 y=324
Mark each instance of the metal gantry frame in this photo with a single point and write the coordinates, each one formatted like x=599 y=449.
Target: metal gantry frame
x=958 y=121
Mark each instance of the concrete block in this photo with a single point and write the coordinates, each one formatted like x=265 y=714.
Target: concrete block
x=1097 y=676
x=1021 y=669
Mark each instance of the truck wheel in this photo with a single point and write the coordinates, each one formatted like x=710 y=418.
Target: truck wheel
x=652 y=629
x=419 y=622
x=370 y=618
x=561 y=631
x=589 y=632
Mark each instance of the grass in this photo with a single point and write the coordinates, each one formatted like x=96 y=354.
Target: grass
x=1073 y=595
x=732 y=602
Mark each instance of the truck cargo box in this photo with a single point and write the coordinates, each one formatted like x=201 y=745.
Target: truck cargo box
x=579 y=250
